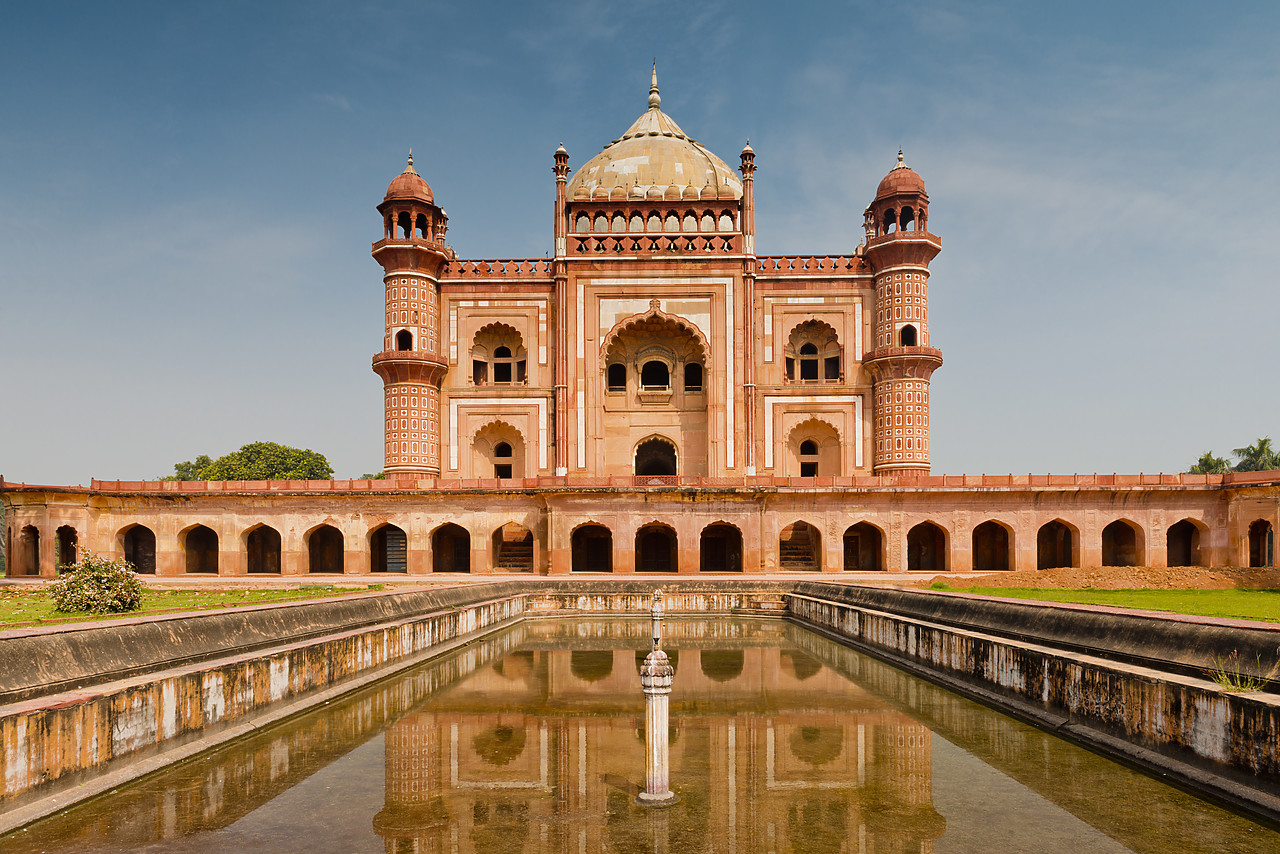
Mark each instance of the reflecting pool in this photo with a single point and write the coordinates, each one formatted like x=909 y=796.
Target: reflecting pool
x=532 y=740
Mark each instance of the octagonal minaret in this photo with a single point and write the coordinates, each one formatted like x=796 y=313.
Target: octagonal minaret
x=413 y=254
x=899 y=249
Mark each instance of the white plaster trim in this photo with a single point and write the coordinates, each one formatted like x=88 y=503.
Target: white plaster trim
x=458 y=403
x=580 y=401
x=770 y=400
x=730 y=401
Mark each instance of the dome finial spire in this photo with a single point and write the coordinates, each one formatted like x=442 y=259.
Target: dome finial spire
x=902 y=164
x=410 y=168
x=655 y=100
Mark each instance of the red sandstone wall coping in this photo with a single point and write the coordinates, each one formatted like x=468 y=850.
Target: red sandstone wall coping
x=403 y=484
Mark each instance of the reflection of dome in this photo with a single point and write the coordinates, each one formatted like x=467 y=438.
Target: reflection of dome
x=722 y=665
x=817 y=745
x=655 y=155
x=499 y=745
x=591 y=665
x=801 y=665
x=901 y=179
x=516 y=665
x=409 y=185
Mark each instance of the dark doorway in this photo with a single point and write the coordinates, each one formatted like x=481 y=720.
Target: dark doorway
x=592 y=547
x=1054 y=546
x=324 y=550
x=140 y=549
x=451 y=549
x=656 y=549
x=926 y=548
x=1262 y=547
x=200 y=550
x=29 y=550
x=863 y=545
x=1120 y=545
x=388 y=550
x=513 y=548
x=798 y=548
x=1182 y=544
x=720 y=549
x=67 y=540
x=263 y=548
x=990 y=548
x=655 y=458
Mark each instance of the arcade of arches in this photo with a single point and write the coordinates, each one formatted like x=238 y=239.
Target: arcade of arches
x=663 y=527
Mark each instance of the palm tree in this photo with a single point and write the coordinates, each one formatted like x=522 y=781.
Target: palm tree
x=1259 y=456
x=1209 y=464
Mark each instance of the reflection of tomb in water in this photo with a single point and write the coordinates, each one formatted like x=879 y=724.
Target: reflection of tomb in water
x=768 y=744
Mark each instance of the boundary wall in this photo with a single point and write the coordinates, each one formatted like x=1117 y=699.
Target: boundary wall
x=191 y=682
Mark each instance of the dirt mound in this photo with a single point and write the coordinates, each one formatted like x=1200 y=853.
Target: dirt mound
x=1122 y=577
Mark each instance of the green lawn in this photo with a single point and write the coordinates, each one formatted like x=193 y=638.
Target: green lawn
x=1240 y=604
x=28 y=607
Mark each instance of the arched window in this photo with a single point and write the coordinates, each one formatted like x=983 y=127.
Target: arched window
x=907 y=337
x=655 y=376
x=617 y=377
x=692 y=376
x=405 y=221
x=905 y=219
x=655 y=458
x=808 y=458
x=498 y=356
x=816 y=347
x=404 y=340
x=502 y=452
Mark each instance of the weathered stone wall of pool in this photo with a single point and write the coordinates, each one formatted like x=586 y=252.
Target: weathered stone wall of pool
x=1222 y=743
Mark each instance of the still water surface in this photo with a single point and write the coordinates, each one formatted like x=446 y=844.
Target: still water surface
x=532 y=741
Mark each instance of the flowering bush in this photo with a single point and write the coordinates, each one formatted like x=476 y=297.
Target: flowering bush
x=98 y=585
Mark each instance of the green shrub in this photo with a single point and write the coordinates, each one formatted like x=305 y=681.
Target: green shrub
x=98 y=585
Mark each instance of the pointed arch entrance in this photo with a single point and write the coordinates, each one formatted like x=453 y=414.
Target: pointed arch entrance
x=1055 y=545
x=799 y=548
x=139 y=546
x=262 y=549
x=592 y=549
x=199 y=549
x=325 y=550
x=927 y=548
x=991 y=547
x=1262 y=544
x=451 y=549
x=863 y=546
x=513 y=548
x=388 y=549
x=720 y=548
x=1182 y=544
x=1121 y=544
x=655 y=457
x=656 y=549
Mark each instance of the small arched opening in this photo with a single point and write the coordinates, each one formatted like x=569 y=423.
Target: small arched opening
x=502 y=460
x=656 y=549
x=890 y=221
x=906 y=219
x=388 y=549
x=907 y=336
x=1262 y=546
x=863 y=546
x=262 y=548
x=692 y=377
x=1121 y=544
x=29 y=550
x=799 y=548
x=200 y=550
x=655 y=458
x=808 y=358
x=991 y=547
x=324 y=550
x=404 y=223
x=722 y=665
x=808 y=458
x=592 y=548
x=140 y=548
x=655 y=376
x=720 y=549
x=451 y=549
x=591 y=665
x=616 y=377
x=513 y=548
x=926 y=548
x=404 y=340
x=1182 y=544
x=1055 y=545
x=66 y=543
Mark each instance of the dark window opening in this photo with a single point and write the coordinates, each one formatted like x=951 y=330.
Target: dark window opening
x=808 y=363
x=502 y=372
x=889 y=221
x=908 y=336
x=66 y=542
x=521 y=371
x=422 y=226
x=479 y=372
x=692 y=377
x=790 y=368
x=808 y=469
x=617 y=377
x=502 y=471
x=831 y=368
x=906 y=218
x=404 y=340
x=1262 y=546
x=655 y=458
x=405 y=222
x=655 y=375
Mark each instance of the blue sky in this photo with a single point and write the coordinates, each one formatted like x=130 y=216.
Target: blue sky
x=187 y=197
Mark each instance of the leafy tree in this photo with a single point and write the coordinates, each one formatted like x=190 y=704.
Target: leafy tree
x=367 y=476
x=1209 y=464
x=269 y=461
x=192 y=469
x=1259 y=456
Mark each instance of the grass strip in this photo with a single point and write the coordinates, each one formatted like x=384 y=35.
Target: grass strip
x=1226 y=604
x=36 y=608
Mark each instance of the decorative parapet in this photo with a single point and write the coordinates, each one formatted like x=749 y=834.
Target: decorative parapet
x=656 y=244
x=498 y=268
x=810 y=265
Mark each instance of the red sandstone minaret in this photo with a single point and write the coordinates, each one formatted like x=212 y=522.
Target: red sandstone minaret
x=412 y=253
x=899 y=249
